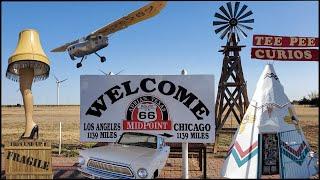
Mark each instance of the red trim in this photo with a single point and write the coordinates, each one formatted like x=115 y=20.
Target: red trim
x=247 y=151
x=293 y=151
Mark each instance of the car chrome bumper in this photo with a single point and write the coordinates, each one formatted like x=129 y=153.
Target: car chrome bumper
x=97 y=174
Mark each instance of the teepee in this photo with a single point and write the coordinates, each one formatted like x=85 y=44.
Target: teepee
x=269 y=140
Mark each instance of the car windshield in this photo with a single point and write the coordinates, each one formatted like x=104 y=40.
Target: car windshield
x=139 y=139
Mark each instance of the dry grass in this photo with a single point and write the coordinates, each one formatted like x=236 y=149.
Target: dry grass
x=49 y=117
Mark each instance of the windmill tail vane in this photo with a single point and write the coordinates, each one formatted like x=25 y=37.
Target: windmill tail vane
x=233 y=20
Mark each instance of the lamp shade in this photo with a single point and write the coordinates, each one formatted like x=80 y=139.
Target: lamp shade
x=28 y=54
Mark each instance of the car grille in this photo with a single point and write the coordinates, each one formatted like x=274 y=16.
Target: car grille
x=110 y=167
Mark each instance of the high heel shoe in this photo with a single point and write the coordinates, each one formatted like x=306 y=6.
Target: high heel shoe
x=35 y=130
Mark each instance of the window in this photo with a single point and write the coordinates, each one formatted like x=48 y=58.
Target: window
x=138 y=139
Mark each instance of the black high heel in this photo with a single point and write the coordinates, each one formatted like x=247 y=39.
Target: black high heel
x=35 y=130
x=21 y=137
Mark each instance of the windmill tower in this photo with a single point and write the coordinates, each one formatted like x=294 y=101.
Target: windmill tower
x=232 y=98
x=58 y=88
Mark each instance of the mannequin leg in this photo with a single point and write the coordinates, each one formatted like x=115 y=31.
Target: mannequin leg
x=26 y=78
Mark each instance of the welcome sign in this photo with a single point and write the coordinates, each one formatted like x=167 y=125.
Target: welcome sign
x=179 y=105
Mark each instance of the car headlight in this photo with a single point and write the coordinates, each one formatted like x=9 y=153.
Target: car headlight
x=81 y=160
x=142 y=173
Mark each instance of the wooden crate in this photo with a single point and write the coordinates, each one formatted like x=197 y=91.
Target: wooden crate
x=27 y=159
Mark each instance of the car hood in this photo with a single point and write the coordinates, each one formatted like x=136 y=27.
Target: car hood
x=119 y=153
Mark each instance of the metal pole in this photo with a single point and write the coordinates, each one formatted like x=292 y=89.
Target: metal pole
x=58 y=93
x=185 y=173
x=185 y=168
x=60 y=140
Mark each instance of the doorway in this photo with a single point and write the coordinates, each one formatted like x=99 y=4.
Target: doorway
x=270 y=154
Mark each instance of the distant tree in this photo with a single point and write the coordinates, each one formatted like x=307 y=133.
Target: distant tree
x=312 y=99
x=304 y=101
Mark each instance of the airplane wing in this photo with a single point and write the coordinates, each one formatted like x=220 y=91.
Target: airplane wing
x=64 y=47
x=141 y=14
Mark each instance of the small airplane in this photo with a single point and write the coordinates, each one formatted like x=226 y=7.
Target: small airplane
x=98 y=39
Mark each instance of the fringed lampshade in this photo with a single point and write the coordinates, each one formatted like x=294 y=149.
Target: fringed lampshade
x=28 y=54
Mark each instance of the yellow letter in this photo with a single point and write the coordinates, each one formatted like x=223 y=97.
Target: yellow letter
x=302 y=42
x=311 y=41
x=278 y=41
x=293 y=40
x=257 y=54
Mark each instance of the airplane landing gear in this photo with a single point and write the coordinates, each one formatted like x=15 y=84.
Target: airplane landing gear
x=102 y=58
x=79 y=65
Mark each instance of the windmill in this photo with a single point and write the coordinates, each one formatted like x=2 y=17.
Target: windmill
x=58 y=86
x=233 y=22
x=232 y=98
x=110 y=73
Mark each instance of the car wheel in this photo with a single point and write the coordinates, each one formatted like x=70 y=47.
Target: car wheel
x=155 y=174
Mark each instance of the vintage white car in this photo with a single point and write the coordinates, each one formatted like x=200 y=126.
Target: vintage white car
x=134 y=156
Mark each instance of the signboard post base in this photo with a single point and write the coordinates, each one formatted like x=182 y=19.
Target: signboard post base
x=185 y=169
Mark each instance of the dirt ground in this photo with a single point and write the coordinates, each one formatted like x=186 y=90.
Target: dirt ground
x=49 y=117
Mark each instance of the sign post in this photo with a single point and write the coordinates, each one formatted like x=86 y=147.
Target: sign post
x=185 y=162
x=60 y=140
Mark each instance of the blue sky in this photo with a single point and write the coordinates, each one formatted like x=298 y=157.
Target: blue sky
x=180 y=36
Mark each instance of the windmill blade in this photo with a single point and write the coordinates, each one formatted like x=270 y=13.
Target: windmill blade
x=63 y=80
x=244 y=7
x=56 y=77
x=243 y=33
x=119 y=72
x=224 y=11
x=247 y=27
x=220 y=16
x=221 y=28
x=245 y=15
x=103 y=72
x=225 y=32
x=230 y=9
x=219 y=23
x=236 y=7
x=247 y=21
